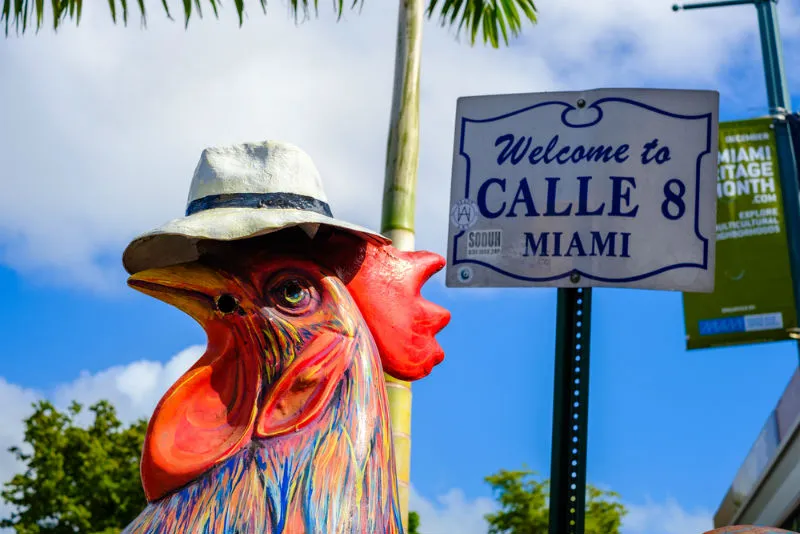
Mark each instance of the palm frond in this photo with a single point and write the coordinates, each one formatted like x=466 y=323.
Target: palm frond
x=22 y=14
x=496 y=20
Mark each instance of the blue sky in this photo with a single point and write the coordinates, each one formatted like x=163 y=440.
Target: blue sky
x=668 y=428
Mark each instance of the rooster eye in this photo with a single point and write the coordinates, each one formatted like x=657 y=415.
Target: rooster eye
x=292 y=292
x=293 y=295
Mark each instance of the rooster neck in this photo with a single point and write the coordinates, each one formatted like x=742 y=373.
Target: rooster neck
x=336 y=475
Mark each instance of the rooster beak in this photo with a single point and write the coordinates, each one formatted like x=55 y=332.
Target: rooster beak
x=190 y=287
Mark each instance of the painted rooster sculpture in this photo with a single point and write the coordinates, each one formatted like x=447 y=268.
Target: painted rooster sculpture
x=282 y=426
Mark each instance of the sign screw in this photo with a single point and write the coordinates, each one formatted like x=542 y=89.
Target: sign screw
x=575 y=277
x=581 y=103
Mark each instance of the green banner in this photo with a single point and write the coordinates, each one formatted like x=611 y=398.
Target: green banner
x=752 y=300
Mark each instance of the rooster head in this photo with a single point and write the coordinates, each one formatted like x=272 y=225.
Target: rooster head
x=289 y=319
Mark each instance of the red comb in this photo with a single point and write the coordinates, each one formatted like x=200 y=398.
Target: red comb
x=403 y=324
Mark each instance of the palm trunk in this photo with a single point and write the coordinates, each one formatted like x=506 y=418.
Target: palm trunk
x=402 y=162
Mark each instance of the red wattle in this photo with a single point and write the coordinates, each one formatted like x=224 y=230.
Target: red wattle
x=204 y=418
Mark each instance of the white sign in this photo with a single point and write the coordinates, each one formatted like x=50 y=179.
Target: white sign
x=612 y=187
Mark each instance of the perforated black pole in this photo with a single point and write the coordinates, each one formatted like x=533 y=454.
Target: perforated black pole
x=570 y=412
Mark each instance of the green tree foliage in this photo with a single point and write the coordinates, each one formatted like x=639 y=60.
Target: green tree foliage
x=76 y=479
x=495 y=20
x=523 y=506
x=413 y=523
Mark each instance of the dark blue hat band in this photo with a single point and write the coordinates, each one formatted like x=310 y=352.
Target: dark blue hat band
x=260 y=200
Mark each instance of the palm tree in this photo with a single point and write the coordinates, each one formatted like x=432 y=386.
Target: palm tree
x=495 y=20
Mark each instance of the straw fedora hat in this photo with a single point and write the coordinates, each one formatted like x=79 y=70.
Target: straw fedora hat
x=242 y=191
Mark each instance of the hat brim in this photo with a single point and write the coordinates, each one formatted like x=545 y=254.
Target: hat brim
x=176 y=241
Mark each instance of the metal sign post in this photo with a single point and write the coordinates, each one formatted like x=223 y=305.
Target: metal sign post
x=570 y=412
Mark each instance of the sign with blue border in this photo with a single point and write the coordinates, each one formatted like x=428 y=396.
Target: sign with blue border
x=610 y=187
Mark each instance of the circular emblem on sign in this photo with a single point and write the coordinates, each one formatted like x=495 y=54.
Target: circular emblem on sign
x=464 y=275
x=464 y=213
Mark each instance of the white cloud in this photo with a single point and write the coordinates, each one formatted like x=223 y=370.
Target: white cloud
x=450 y=513
x=15 y=405
x=103 y=125
x=133 y=389
x=665 y=518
